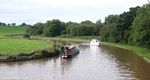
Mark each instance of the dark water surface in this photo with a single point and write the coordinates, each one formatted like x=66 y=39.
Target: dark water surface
x=93 y=63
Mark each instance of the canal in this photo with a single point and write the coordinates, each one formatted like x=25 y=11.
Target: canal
x=93 y=63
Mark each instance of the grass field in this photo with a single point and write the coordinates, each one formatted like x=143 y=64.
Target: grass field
x=15 y=46
x=5 y=30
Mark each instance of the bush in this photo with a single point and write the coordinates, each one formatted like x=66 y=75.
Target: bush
x=26 y=36
x=11 y=58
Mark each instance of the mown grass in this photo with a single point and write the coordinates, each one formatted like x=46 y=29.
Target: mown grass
x=16 y=46
x=9 y=30
x=142 y=52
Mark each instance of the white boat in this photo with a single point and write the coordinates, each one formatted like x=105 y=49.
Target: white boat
x=95 y=42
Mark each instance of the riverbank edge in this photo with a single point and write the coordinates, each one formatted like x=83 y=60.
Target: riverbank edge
x=38 y=54
x=134 y=49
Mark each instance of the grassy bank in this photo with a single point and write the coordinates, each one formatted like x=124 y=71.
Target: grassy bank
x=19 y=48
x=10 y=30
x=15 y=46
x=77 y=40
x=25 y=49
x=140 y=51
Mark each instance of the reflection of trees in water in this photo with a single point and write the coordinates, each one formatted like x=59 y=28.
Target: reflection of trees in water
x=129 y=64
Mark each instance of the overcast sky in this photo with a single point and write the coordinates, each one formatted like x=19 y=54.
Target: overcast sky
x=32 y=11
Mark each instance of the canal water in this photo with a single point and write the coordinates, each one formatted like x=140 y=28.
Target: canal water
x=93 y=63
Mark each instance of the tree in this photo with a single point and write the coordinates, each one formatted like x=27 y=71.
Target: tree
x=36 y=29
x=71 y=28
x=23 y=24
x=54 y=28
x=13 y=24
x=125 y=22
x=119 y=26
x=2 y=24
x=141 y=27
x=113 y=32
x=97 y=27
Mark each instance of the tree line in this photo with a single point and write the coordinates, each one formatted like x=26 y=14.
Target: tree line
x=131 y=27
x=55 y=27
x=12 y=24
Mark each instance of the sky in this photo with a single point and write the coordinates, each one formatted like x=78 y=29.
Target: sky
x=33 y=11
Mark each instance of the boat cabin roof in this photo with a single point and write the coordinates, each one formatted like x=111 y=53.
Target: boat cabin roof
x=71 y=46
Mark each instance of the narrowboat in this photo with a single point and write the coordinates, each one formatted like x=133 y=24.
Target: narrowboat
x=69 y=51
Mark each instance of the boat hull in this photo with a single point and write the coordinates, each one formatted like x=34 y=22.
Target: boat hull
x=72 y=51
x=95 y=42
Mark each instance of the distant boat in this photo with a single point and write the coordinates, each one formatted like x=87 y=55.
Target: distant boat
x=95 y=42
x=72 y=51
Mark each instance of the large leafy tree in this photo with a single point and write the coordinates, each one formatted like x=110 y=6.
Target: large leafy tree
x=112 y=32
x=71 y=28
x=141 y=27
x=54 y=28
x=125 y=23
x=119 y=26
x=36 y=29
x=97 y=27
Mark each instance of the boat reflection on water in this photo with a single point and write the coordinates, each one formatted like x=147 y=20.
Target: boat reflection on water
x=94 y=50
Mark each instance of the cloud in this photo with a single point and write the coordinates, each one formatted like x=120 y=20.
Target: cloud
x=68 y=10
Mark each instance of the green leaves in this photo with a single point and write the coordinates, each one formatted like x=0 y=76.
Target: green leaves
x=141 y=27
x=53 y=28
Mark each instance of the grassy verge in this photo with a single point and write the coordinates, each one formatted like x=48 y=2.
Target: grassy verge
x=140 y=51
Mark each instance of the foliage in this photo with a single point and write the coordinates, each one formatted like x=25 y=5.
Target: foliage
x=85 y=28
x=56 y=28
x=131 y=27
x=141 y=27
x=53 y=28
x=117 y=28
x=36 y=29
